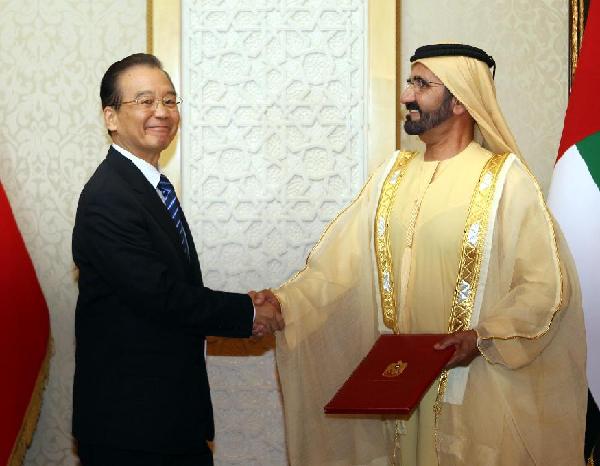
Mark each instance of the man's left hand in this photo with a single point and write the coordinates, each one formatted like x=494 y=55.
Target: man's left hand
x=465 y=344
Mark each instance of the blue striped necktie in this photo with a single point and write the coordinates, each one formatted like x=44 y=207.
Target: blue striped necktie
x=174 y=209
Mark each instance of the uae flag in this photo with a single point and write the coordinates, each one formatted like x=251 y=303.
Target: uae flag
x=575 y=191
x=24 y=341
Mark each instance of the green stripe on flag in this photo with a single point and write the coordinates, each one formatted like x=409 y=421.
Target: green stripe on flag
x=589 y=148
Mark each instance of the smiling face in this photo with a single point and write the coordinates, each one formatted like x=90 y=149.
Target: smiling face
x=143 y=132
x=428 y=101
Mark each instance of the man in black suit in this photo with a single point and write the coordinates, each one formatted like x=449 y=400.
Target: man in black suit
x=141 y=393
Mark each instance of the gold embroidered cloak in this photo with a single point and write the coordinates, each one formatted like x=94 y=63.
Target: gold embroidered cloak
x=523 y=401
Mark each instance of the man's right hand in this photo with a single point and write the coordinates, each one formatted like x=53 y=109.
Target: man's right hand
x=268 y=317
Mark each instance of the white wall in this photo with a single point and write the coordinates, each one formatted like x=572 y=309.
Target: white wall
x=52 y=58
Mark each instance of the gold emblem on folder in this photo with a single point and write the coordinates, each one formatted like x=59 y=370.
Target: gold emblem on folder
x=395 y=369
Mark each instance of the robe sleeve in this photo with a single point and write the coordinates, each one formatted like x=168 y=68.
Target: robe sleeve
x=337 y=267
x=526 y=269
x=329 y=310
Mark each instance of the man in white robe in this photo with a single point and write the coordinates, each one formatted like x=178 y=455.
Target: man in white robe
x=456 y=240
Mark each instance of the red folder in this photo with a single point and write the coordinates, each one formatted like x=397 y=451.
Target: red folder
x=393 y=377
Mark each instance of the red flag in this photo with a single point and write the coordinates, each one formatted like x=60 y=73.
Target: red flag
x=24 y=341
x=581 y=118
x=574 y=195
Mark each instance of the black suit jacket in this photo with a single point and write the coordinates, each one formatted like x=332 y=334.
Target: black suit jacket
x=141 y=319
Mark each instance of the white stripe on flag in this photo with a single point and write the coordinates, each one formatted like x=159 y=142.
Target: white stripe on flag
x=574 y=200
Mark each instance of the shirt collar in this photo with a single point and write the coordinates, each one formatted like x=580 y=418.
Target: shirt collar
x=148 y=170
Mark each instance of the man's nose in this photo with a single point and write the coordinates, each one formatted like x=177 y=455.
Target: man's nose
x=408 y=95
x=160 y=109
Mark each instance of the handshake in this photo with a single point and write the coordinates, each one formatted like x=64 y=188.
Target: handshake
x=268 y=319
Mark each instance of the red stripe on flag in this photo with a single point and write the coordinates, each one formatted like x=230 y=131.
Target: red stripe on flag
x=582 y=117
x=24 y=330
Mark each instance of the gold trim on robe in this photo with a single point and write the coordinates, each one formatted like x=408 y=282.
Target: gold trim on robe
x=475 y=234
x=381 y=239
x=473 y=248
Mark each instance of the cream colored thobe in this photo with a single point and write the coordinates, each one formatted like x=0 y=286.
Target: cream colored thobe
x=524 y=399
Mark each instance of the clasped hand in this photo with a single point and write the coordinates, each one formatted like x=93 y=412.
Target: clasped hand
x=268 y=317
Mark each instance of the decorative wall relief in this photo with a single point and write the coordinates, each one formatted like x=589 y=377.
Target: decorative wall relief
x=273 y=147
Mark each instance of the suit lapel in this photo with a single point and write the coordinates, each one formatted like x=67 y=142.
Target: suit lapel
x=193 y=253
x=147 y=195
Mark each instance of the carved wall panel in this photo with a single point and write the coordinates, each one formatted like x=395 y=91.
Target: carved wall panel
x=272 y=147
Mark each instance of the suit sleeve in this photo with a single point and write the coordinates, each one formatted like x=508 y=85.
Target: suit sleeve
x=121 y=250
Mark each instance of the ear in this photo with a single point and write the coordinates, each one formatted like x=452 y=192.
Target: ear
x=111 y=118
x=459 y=108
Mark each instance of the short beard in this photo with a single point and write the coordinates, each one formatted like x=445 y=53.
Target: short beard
x=432 y=119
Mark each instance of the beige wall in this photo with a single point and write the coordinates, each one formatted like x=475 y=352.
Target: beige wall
x=528 y=40
x=52 y=57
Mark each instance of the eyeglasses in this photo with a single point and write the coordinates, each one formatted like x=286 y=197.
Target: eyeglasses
x=419 y=84
x=150 y=103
